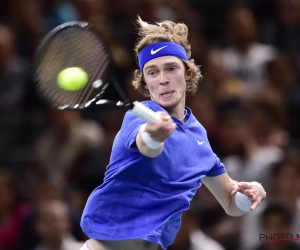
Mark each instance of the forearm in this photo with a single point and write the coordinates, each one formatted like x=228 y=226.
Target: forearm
x=231 y=208
x=222 y=187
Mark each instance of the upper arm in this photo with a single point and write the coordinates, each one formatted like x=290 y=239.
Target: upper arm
x=130 y=129
x=220 y=186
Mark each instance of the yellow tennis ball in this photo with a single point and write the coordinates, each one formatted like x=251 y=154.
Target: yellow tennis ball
x=72 y=79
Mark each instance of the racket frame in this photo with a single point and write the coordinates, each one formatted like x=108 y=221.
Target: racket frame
x=137 y=108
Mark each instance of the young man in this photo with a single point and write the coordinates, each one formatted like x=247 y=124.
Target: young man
x=155 y=169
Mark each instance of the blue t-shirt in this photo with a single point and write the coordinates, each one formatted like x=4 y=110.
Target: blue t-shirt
x=143 y=198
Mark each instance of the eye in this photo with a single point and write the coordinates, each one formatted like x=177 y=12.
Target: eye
x=151 y=72
x=172 y=68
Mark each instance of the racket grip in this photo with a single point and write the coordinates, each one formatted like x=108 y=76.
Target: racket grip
x=145 y=113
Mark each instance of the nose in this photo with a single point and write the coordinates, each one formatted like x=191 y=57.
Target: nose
x=163 y=79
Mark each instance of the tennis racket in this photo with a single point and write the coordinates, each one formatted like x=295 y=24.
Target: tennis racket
x=78 y=44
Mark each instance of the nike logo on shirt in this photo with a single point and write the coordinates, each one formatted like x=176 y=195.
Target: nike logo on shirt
x=200 y=142
x=155 y=51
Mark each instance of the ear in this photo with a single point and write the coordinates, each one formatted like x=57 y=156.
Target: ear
x=188 y=74
x=144 y=84
x=187 y=77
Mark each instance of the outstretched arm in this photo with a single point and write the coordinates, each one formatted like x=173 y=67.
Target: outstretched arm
x=151 y=137
x=226 y=191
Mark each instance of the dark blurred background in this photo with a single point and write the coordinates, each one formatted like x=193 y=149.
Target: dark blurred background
x=249 y=103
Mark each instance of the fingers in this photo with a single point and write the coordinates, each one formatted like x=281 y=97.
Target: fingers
x=239 y=187
x=254 y=205
x=255 y=200
x=249 y=193
x=161 y=127
x=162 y=134
x=244 y=185
x=161 y=130
x=254 y=191
x=164 y=116
x=235 y=189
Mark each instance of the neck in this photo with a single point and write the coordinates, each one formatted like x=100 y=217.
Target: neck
x=244 y=47
x=53 y=245
x=277 y=246
x=291 y=201
x=250 y=148
x=177 y=111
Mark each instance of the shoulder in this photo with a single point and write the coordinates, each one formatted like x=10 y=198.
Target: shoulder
x=193 y=121
x=90 y=132
x=229 y=53
x=70 y=243
x=267 y=52
x=267 y=155
x=264 y=48
x=75 y=245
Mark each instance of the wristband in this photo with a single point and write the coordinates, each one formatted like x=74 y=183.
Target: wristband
x=148 y=140
x=242 y=202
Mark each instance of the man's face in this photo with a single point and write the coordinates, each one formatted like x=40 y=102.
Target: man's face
x=52 y=223
x=166 y=80
x=242 y=26
x=276 y=224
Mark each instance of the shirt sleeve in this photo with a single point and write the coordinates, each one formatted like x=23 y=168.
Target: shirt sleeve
x=130 y=129
x=217 y=169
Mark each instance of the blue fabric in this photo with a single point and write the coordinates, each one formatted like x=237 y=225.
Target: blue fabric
x=143 y=198
x=160 y=49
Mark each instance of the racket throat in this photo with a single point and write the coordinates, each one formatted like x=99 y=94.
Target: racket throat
x=115 y=103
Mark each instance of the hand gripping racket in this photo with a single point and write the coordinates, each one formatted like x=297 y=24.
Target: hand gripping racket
x=78 y=44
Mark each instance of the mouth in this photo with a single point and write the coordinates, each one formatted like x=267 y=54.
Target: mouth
x=167 y=94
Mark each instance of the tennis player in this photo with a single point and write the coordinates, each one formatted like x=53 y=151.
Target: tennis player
x=155 y=169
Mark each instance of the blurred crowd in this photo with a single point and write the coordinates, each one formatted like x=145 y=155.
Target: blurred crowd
x=248 y=101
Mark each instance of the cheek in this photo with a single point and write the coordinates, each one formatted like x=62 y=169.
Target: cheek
x=180 y=78
x=180 y=83
x=151 y=85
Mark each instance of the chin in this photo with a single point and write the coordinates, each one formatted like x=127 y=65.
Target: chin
x=169 y=104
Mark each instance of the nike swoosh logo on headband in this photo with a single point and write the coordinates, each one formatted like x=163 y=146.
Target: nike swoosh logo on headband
x=155 y=51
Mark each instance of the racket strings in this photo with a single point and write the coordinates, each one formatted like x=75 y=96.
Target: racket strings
x=53 y=62
x=84 y=96
x=72 y=47
x=90 y=89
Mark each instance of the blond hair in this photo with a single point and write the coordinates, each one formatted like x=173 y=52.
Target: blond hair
x=166 y=31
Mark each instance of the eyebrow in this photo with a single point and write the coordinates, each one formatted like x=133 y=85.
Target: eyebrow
x=165 y=64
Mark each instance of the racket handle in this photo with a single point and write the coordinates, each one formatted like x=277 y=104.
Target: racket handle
x=145 y=113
